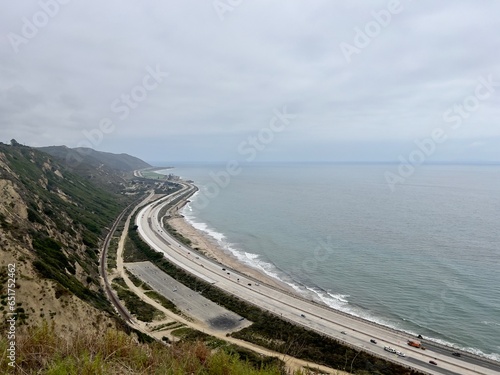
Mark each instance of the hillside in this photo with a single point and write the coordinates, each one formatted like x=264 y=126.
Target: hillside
x=96 y=159
x=51 y=225
x=108 y=171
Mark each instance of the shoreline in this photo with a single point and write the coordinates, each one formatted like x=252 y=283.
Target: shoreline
x=207 y=245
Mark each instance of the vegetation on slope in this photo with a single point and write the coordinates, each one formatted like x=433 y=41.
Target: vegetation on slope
x=142 y=310
x=96 y=159
x=66 y=218
x=42 y=352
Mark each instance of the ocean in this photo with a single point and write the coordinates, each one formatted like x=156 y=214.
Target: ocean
x=422 y=258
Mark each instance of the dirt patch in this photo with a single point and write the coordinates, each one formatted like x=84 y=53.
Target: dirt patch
x=223 y=323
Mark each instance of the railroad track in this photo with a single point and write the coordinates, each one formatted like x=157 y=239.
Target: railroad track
x=102 y=270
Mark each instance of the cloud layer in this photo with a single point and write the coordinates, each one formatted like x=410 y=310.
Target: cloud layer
x=67 y=66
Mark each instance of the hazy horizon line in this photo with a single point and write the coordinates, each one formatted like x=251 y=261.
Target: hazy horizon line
x=168 y=164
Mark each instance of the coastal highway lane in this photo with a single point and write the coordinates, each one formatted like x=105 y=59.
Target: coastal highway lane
x=294 y=308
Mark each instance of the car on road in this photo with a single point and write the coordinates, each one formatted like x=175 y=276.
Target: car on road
x=456 y=354
x=373 y=341
x=343 y=332
x=389 y=349
x=400 y=354
x=433 y=363
x=302 y=315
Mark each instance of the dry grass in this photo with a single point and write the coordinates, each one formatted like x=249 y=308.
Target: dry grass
x=41 y=351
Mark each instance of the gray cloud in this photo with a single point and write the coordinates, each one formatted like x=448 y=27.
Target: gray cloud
x=226 y=77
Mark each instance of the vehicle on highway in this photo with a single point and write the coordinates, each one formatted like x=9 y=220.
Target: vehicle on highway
x=433 y=363
x=415 y=344
x=401 y=354
x=389 y=349
x=302 y=315
x=456 y=354
x=373 y=341
x=343 y=332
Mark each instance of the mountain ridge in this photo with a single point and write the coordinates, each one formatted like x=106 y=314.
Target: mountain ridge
x=73 y=156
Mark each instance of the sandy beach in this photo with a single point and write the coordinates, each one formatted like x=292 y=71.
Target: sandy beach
x=209 y=247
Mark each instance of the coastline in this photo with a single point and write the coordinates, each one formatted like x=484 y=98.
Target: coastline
x=209 y=246
x=211 y=249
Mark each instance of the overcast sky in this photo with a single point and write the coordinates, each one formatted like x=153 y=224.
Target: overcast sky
x=254 y=79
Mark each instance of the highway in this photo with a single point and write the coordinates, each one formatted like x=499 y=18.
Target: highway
x=322 y=319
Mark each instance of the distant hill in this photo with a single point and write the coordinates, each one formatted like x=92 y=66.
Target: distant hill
x=107 y=170
x=75 y=156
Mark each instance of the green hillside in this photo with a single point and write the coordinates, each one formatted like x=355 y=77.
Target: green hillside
x=66 y=216
x=96 y=159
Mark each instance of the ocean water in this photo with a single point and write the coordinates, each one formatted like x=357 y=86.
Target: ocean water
x=424 y=258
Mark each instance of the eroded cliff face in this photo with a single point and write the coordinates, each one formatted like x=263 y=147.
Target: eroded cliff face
x=12 y=206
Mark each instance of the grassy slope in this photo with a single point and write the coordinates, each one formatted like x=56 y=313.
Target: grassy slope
x=66 y=218
x=42 y=352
